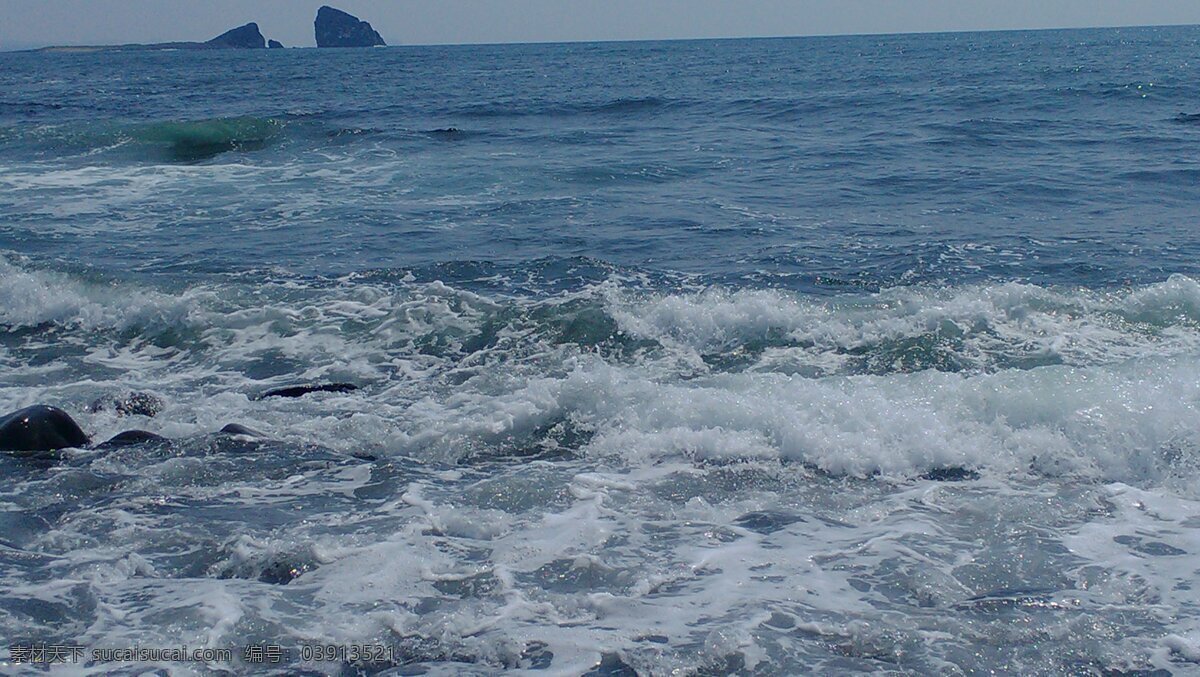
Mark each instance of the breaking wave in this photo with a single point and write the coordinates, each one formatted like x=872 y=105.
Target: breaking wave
x=1007 y=378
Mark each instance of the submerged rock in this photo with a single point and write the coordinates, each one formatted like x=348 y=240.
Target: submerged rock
x=254 y=560
x=280 y=569
x=274 y=44
x=305 y=389
x=40 y=428
x=130 y=438
x=335 y=28
x=133 y=404
x=242 y=37
x=282 y=572
x=951 y=474
x=239 y=429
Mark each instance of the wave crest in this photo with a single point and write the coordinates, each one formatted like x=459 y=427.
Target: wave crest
x=1007 y=378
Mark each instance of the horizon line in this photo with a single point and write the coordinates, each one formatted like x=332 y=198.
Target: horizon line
x=952 y=31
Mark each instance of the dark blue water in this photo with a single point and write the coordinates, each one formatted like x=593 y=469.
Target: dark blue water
x=824 y=355
x=1060 y=157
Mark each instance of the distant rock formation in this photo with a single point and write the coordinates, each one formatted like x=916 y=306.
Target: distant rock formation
x=274 y=44
x=242 y=37
x=335 y=28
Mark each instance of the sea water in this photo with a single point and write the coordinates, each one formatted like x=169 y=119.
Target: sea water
x=825 y=355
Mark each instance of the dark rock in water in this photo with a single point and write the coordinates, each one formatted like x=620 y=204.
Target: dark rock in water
x=274 y=44
x=40 y=428
x=277 y=568
x=242 y=37
x=239 y=429
x=951 y=474
x=134 y=404
x=130 y=438
x=302 y=390
x=335 y=28
x=282 y=572
x=139 y=404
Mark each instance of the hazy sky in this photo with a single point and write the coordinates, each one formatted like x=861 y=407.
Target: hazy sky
x=28 y=23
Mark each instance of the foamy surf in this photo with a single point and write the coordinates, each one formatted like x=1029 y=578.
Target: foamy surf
x=615 y=474
x=1014 y=378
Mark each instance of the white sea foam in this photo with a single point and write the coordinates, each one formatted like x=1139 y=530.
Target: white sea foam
x=1118 y=403
x=985 y=326
x=30 y=298
x=679 y=481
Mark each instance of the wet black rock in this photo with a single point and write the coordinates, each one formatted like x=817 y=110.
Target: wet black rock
x=239 y=429
x=242 y=37
x=274 y=44
x=40 y=428
x=130 y=438
x=133 y=404
x=302 y=390
x=335 y=28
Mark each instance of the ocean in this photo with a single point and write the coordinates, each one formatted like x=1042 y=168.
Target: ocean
x=777 y=356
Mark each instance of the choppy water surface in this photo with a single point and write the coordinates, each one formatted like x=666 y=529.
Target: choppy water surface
x=777 y=356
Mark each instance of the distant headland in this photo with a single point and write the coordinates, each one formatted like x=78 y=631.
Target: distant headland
x=335 y=28
x=332 y=28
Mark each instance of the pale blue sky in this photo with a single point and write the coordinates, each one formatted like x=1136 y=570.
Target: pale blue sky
x=29 y=23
